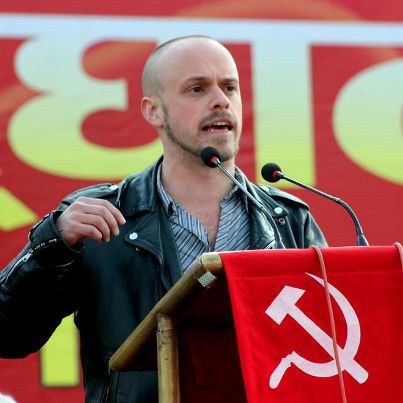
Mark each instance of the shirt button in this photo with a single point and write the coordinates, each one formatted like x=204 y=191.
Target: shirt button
x=278 y=210
x=133 y=236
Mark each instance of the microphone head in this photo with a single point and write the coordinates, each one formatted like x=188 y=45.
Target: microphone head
x=271 y=172
x=211 y=157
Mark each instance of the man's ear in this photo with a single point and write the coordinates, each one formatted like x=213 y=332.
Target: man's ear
x=151 y=109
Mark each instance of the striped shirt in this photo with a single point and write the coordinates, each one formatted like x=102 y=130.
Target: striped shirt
x=190 y=235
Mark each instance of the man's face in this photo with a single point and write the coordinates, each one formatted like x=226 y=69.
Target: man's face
x=201 y=99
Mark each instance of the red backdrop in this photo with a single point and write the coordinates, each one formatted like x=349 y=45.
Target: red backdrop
x=350 y=45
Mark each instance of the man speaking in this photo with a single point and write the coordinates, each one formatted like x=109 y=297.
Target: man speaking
x=109 y=253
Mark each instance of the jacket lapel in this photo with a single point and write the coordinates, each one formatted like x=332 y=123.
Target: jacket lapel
x=151 y=229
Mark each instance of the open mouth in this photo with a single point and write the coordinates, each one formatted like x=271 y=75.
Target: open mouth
x=219 y=125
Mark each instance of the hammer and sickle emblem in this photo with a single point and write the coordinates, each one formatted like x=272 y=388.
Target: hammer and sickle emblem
x=285 y=304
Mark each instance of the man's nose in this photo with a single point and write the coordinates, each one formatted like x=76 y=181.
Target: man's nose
x=219 y=100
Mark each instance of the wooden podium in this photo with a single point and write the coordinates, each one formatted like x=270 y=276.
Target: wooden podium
x=195 y=350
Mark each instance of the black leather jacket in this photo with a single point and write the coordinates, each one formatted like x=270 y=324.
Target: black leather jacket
x=112 y=286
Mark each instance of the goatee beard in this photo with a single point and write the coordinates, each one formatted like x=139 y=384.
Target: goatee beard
x=226 y=154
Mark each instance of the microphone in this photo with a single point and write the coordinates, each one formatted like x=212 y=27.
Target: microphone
x=212 y=158
x=271 y=172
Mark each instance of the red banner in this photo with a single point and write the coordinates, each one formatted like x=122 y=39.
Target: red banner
x=284 y=327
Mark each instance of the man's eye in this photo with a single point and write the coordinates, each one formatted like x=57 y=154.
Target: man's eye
x=230 y=88
x=196 y=88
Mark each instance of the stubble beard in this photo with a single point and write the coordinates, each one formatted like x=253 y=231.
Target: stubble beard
x=226 y=154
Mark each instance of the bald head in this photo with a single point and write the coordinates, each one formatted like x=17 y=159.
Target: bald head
x=192 y=97
x=154 y=69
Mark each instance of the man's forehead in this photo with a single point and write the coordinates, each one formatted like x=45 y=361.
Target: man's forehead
x=182 y=56
x=195 y=57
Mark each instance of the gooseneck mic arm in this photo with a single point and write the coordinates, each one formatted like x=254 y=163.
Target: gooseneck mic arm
x=271 y=172
x=212 y=158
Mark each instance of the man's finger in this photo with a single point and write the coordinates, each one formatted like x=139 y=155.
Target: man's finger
x=100 y=202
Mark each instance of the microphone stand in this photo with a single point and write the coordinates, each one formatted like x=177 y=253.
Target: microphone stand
x=361 y=240
x=277 y=236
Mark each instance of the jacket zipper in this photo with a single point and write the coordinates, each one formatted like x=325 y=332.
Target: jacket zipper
x=271 y=245
x=110 y=382
x=106 y=388
x=159 y=263
x=23 y=259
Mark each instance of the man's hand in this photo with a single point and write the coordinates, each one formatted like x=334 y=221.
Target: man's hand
x=89 y=218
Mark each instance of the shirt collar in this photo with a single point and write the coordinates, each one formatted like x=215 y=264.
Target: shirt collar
x=167 y=201
x=170 y=205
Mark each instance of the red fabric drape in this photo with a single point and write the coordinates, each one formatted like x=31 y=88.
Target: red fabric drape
x=283 y=325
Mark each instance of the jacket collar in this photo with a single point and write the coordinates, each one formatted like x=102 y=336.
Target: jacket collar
x=138 y=192
x=261 y=237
